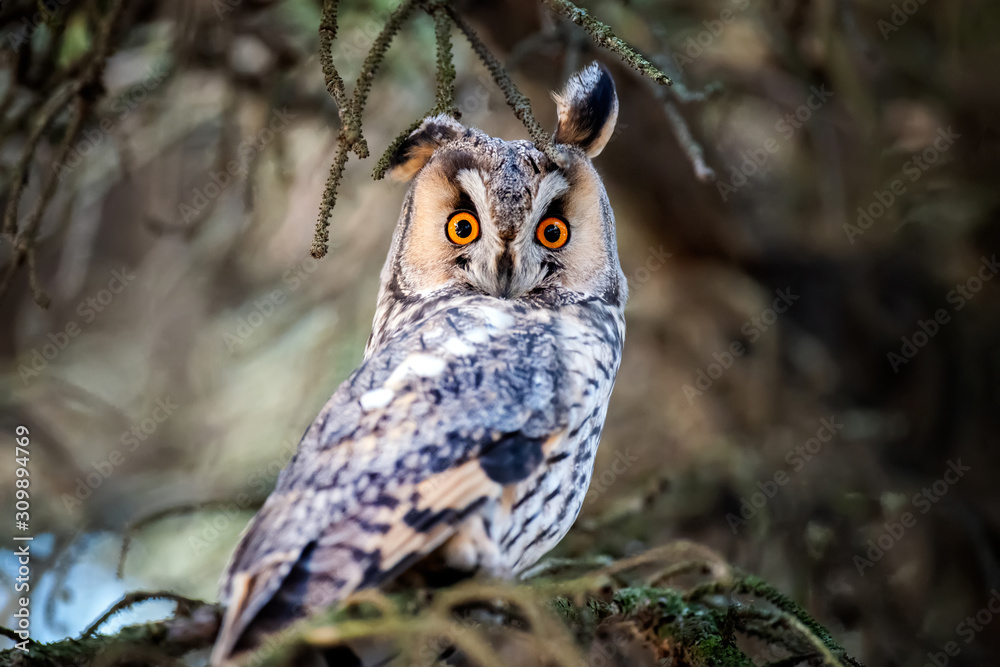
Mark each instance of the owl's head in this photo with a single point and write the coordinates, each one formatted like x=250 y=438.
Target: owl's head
x=496 y=217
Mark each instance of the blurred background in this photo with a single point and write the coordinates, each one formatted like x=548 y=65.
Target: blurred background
x=809 y=221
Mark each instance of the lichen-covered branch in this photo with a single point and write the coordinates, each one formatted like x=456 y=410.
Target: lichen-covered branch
x=787 y=613
x=445 y=94
x=444 y=100
x=605 y=37
x=515 y=99
x=351 y=137
x=321 y=237
x=327 y=34
x=368 y=71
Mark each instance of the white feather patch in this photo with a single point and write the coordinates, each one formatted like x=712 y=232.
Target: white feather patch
x=550 y=187
x=477 y=336
x=497 y=318
x=421 y=365
x=458 y=347
x=376 y=398
x=474 y=186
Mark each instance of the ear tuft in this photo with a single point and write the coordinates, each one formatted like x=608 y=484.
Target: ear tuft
x=417 y=148
x=587 y=110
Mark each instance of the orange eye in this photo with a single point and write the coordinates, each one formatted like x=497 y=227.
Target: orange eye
x=552 y=233
x=462 y=228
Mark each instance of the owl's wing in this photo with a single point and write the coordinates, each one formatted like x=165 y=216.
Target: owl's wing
x=438 y=422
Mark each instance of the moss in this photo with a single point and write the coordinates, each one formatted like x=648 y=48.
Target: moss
x=716 y=651
x=694 y=626
x=566 y=609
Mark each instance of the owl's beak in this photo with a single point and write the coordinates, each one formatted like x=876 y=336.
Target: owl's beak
x=505 y=274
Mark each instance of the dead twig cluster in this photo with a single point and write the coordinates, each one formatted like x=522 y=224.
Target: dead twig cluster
x=61 y=94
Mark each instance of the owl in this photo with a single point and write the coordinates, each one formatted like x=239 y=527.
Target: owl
x=465 y=441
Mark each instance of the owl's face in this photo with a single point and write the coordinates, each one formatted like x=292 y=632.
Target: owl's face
x=499 y=218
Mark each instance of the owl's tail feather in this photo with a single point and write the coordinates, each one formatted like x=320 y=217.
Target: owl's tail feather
x=326 y=572
x=370 y=547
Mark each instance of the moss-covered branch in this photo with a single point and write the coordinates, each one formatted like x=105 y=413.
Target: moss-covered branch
x=192 y=628
x=555 y=618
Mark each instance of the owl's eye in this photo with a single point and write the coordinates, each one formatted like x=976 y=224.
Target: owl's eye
x=462 y=228
x=552 y=233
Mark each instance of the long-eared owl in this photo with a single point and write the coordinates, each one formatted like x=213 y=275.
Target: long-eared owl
x=467 y=436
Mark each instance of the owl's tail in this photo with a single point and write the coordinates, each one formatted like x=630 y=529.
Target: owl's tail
x=265 y=603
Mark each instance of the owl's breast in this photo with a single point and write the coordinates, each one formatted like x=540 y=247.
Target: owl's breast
x=498 y=398
x=577 y=358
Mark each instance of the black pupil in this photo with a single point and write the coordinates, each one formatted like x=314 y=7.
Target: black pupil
x=463 y=228
x=552 y=233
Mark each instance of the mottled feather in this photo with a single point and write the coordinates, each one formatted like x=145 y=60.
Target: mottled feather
x=471 y=404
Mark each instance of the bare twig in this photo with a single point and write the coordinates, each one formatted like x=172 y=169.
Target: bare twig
x=19 y=177
x=79 y=88
x=132 y=599
x=13 y=636
x=695 y=153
